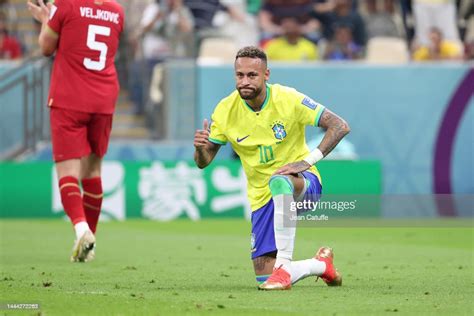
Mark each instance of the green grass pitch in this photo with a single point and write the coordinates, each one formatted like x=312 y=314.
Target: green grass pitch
x=203 y=268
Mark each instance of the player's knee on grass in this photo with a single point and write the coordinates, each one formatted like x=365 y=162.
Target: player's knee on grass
x=263 y=266
x=280 y=185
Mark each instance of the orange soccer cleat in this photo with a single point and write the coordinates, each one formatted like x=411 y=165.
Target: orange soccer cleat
x=279 y=280
x=331 y=276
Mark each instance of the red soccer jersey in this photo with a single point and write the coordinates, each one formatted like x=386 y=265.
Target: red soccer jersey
x=84 y=76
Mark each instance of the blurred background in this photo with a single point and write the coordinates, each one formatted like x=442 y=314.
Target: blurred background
x=400 y=72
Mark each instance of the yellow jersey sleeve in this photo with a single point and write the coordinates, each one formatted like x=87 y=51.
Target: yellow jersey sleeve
x=217 y=135
x=307 y=111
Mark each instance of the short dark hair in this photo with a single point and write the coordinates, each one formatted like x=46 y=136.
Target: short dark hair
x=252 y=52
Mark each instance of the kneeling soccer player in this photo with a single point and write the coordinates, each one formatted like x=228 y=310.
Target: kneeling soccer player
x=265 y=124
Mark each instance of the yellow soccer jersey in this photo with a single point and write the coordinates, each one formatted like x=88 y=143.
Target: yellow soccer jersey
x=268 y=139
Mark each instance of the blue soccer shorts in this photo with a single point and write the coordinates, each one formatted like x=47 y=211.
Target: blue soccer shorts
x=263 y=236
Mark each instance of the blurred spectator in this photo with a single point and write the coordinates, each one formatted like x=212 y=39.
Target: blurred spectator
x=407 y=18
x=273 y=11
x=10 y=47
x=11 y=17
x=434 y=13
x=243 y=30
x=341 y=14
x=438 y=48
x=468 y=17
x=469 y=50
x=166 y=31
x=291 y=46
x=134 y=11
x=204 y=12
x=382 y=21
x=343 y=47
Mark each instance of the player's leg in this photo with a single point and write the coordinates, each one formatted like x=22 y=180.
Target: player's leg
x=98 y=134
x=263 y=266
x=305 y=186
x=321 y=264
x=66 y=126
x=92 y=193
x=263 y=248
x=283 y=188
x=68 y=172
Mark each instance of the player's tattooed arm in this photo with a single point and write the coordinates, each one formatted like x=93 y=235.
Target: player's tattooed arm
x=205 y=151
x=293 y=168
x=204 y=155
x=336 y=128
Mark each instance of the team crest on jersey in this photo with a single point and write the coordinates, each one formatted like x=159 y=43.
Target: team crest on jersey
x=279 y=130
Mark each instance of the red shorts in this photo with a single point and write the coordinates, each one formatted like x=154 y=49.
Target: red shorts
x=78 y=134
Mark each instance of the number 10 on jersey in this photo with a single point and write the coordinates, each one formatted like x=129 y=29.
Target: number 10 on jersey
x=266 y=153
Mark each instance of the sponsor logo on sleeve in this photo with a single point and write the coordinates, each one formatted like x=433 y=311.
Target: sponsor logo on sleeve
x=307 y=101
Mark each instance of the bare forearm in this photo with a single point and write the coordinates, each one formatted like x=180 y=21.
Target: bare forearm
x=47 y=40
x=202 y=158
x=43 y=34
x=336 y=129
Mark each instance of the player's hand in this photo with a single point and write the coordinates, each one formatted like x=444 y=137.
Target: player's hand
x=40 y=11
x=293 y=168
x=201 y=137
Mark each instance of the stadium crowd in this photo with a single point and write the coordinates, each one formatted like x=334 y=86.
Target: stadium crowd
x=302 y=30
x=289 y=30
x=294 y=31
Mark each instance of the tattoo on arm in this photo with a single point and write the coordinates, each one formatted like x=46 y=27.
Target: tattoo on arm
x=336 y=129
x=204 y=156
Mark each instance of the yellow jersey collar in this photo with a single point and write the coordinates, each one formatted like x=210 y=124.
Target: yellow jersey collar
x=267 y=97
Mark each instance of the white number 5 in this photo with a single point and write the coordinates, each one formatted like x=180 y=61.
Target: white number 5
x=95 y=45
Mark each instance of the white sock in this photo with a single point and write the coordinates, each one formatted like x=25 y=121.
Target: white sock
x=80 y=229
x=284 y=236
x=305 y=268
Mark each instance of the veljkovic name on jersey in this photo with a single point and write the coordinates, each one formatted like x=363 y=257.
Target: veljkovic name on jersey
x=100 y=15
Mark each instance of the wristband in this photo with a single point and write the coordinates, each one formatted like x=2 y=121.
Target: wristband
x=314 y=156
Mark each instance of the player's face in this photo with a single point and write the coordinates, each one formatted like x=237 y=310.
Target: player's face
x=250 y=77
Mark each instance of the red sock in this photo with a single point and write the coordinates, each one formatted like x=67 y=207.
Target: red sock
x=92 y=200
x=72 y=199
